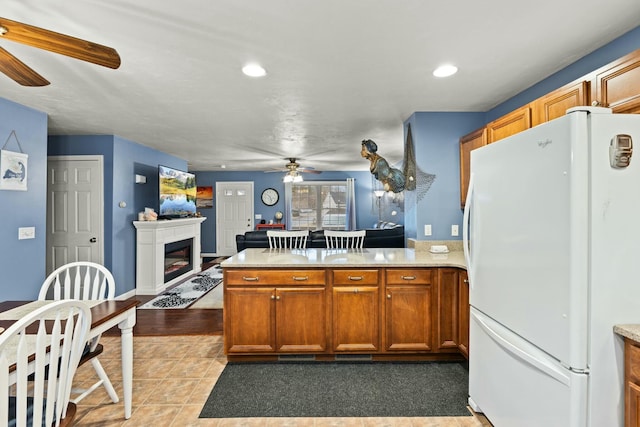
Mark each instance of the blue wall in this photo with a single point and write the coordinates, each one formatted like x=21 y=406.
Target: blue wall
x=123 y=159
x=22 y=262
x=366 y=210
x=436 y=139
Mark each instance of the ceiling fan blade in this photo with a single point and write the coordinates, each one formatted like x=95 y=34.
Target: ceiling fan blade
x=59 y=43
x=19 y=71
x=307 y=170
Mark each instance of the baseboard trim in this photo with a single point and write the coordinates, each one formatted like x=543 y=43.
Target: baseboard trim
x=127 y=295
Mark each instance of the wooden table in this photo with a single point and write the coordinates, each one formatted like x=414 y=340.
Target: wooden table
x=105 y=315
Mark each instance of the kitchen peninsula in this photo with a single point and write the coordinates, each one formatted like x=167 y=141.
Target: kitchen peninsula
x=339 y=304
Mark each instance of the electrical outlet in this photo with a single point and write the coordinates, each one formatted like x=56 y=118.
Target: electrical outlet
x=454 y=230
x=427 y=229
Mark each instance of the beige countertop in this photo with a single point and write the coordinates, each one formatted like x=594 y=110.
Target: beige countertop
x=631 y=331
x=369 y=257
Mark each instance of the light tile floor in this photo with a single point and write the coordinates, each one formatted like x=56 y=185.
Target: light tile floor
x=173 y=377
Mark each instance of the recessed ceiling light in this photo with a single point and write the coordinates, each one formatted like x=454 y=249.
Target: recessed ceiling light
x=445 y=70
x=254 y=70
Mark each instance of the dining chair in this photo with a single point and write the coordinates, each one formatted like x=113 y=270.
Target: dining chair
x=344 y=239
x=286 y=239
x=84 y=280
x=48 y=339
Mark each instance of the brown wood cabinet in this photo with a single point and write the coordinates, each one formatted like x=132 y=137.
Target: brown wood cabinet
x=463 y=313
x=617 y=85
x=468 y=143
x=509 y=124
x=269 y=318
x=447 y=314
x=390 y=313
x=356 y=310
x=409 y=309
x=632 y=383
x=556 y=103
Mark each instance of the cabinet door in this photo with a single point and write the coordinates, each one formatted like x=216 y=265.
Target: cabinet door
x=632 y=382
x=468 y=143
x=509 y=124
x=463 y=313
x=408 y=313
x=447 y=313
x=356 y=319
x=249 y=320
x=556 y=103
x=617 y=85
x=301 y=320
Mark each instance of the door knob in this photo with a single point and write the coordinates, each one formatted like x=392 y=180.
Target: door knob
x=93 y=240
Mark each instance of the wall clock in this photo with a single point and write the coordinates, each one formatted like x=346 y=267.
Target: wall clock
x=270 y=197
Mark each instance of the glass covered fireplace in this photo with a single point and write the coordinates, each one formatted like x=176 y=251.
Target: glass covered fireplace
x=178 y=259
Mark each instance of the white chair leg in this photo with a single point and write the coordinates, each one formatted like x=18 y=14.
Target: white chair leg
x=105 y=380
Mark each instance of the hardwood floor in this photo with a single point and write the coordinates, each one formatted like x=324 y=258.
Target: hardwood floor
x=188 y=321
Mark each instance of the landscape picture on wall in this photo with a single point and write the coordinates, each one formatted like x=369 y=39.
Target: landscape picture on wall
x=204 y=198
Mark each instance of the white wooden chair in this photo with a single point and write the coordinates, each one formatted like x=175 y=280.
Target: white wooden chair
x=285 y=239
x=84 y=280
x=26 y=357
x=344 y=239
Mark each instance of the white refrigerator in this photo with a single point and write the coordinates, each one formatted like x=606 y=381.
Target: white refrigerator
x=552 y=240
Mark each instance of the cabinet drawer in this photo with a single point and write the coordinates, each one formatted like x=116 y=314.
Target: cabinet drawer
x=274 y=277
x=400 y=276
x=355 y=277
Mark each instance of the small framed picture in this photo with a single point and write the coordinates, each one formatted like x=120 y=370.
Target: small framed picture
x=13 y=170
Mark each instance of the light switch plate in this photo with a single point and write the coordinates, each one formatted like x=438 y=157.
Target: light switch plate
x=427 y=229
x=26 y=233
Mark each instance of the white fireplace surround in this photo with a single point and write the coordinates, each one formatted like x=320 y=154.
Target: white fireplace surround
x=151 y=236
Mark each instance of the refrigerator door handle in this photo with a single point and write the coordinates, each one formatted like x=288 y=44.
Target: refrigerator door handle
x=465 y=230
x=537 y=363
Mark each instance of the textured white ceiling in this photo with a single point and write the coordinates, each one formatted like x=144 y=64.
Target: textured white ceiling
x=339 y=71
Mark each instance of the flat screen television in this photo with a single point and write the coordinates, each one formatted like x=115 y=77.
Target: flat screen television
x=177 y=192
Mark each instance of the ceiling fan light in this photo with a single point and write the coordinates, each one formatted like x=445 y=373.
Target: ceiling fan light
x=297 y=178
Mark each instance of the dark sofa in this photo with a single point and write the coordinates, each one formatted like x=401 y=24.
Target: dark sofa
x=387 y=236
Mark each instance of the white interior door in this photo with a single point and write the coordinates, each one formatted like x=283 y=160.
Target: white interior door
x=74 y=210
x=234 y=214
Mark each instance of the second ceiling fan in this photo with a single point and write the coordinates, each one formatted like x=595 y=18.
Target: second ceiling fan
x=294 y=170
x=54 y=42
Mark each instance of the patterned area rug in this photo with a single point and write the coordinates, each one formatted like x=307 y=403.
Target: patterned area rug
x=185 y=294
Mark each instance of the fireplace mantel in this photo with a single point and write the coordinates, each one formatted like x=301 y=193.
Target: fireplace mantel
x=151 y=236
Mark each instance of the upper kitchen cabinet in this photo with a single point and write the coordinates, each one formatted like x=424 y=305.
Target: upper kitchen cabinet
x=468 y=143
x=509 y=124
x=617 y=85
x=556 y=103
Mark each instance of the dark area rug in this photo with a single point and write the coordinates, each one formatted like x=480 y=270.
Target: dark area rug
x=340 y=389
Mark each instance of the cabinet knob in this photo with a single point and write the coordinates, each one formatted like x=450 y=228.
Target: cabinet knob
x=595 y=104
x=277 y=297
x=249 y=279
x=408 y=277
x=300 y=278
x=355 y=278
x=388 y=296
x=273 y=297
x=355 y=291
x=466 y=280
